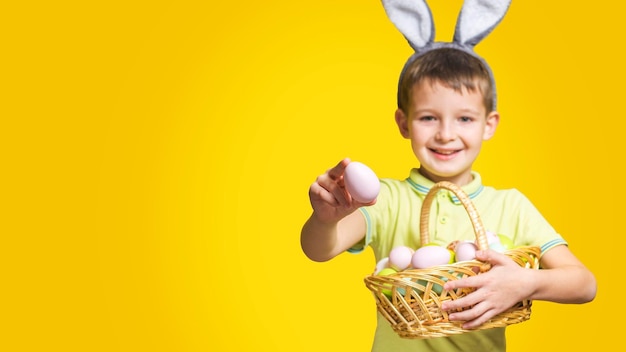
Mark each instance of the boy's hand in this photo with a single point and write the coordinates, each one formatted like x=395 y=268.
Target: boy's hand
x=329 y=198
x=497 y=290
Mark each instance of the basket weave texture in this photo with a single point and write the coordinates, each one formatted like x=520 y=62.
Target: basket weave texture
x=411 y=300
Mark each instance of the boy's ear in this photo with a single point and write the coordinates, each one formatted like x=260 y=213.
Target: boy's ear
x=403 y=123
x=492 y=123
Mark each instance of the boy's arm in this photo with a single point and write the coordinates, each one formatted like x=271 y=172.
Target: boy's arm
x=323 y=241
x=335 y=225
x=563 y=278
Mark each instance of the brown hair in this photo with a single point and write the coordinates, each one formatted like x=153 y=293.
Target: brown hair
x=451 y=67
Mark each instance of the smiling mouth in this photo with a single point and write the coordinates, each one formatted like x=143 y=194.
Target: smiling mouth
x=444 y=152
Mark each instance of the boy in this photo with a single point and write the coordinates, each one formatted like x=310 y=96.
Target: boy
x=445 y=108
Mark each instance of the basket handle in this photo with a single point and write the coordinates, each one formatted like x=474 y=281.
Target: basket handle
x=479 y=229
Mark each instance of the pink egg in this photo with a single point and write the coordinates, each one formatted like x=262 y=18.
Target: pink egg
x=361 y=182
x=465 y=251
x=428 y=256
x=400 y=257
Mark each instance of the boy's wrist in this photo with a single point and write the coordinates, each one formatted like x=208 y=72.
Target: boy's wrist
x=323 y=222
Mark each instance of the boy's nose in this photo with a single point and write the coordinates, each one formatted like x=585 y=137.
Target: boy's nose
x=445 y=132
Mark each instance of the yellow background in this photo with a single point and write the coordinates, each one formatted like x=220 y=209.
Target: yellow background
x=156 y=158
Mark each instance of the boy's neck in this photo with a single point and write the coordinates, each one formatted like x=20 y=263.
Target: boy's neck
x=460 y=180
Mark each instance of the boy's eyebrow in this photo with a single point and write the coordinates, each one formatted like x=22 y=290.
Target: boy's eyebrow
x=424 y=111
x=463 y=110
x=470 y=110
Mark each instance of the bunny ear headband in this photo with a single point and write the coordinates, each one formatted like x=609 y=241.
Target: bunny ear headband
x=476 y=20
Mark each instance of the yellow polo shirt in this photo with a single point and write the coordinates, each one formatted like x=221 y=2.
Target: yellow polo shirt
x=394 y=221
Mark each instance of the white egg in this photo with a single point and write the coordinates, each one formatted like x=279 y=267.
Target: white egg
x=361 y=182
x=428 y=256
x=400 y=257
x=465 y=251
x=382 y=264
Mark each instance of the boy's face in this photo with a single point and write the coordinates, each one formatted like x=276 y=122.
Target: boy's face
x=446 y=129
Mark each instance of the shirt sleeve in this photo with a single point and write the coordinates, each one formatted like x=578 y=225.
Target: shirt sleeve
x=534 y=229
x=375 y=216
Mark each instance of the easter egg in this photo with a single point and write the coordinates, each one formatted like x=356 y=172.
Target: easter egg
x=492 y=237
x=400 y=257
x=428 y=256
x=498 y=247
x=385 y=272
x=402 y=290
x=506 y=241
x=465 y=251
x=452 y=256
x=361 y=182
x=435 y=287
x=382 y=264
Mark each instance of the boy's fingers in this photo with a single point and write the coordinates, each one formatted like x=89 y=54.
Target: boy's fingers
x=322 y=193
x=336 y=172
x=491 y=256
x=471 y=281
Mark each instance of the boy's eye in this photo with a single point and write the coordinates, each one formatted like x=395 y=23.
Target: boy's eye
x=427 y=118
x=465 y=119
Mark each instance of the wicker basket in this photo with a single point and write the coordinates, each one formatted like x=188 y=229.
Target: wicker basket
x=411 y=299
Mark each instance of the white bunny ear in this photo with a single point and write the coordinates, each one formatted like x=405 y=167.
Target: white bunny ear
x=477 y=19
x=413 y=19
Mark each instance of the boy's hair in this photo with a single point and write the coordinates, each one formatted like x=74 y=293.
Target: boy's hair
x=451 y=67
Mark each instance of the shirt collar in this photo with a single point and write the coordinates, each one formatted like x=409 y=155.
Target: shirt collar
x=422 y=185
